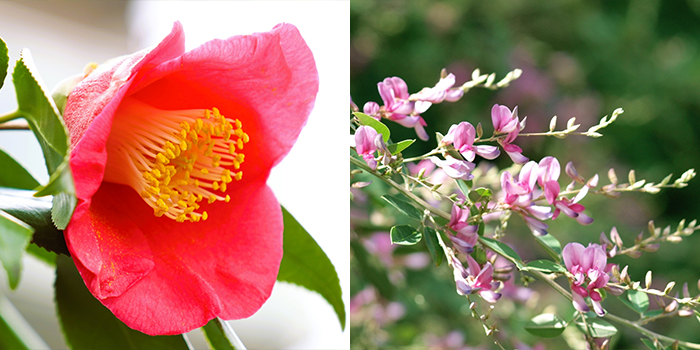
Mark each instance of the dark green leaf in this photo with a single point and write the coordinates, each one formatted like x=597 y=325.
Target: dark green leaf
x=305 y=264
x=43 y=118
x=403 y=206
x=546 y=325
x=14 y=175
x=372 y=270
x=597 y=328
x=377 y=125
x=42 y=254
x=431 y=240
x=504 y=250
x=544 y=266
x=551 y=245
x=36 y=212
x=654 y=313
x=405 y=235
x=64 y=204
x=4 y=61
x=87 y=324
x=480 y=194
x=396 y=148
x=216 y=336
x=650 y=344
x=14 y=238
x=638 y=300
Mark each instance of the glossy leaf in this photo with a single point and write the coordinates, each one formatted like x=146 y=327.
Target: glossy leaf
x=405 y=235
x=396 y=148
x=4 y=61
x=403 y=206
x=36 y=212
x=38 y=108
x=88 y=325
x=551 y=245
x=503 y=249
x=377 y=125
x=638 y=300
x=14 y=238
x=597 y=328
x=305 y=264
x=216 y=336
x=12 y=174
x=546 y=325
x=431 y=240
x=544 y=266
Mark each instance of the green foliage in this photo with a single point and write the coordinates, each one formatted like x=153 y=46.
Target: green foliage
x=305 y=264
x=403 y=206
x=544 y=266
x=372 y=270
x=14 y=238
x=39 y=110
x=597 y=327
x=405 y=235
x=4 y=62
x=396 y=148
x=15 y=332
x=551 y=245
x=88 y=325
x=14 y=175
x=637 y=301
x=546 y=325
x=216 y=336
x=503 y=249
x=375 y=124
x=431 y=240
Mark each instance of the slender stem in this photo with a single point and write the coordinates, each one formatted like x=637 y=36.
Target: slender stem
x=231 y=335
x=10 y=116
x=433 y=152
x=390 y=182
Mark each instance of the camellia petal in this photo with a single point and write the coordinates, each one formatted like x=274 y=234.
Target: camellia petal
x=170 y=154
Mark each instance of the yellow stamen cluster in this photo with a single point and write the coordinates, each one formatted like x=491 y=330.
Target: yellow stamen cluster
x=175 y=159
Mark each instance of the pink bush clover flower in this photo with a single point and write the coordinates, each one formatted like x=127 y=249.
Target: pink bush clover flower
x=462 y=136
x=505 y=122
x=455 y=168
x=466 y=236
x=587 y=264
x=475 y=279
x=365 y=139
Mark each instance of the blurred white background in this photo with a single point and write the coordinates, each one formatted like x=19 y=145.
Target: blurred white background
x=311 y=181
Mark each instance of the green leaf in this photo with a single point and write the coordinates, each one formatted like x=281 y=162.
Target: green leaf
x=551 y=245
x=405 y=235
x=40 y=111
x=372 y=270
x=36 y=212
x=87 y=324
x=305 y=264
x=396 y=148
x=377 y=125
x=464 y=186
x=14 y=175
x=638 y=300
x=597 y=328
x=216 y=336
x=503 y=249
x=4 y=61
x=403 y=206
x=546 y=325
x=431 y=240
x=15 y=331
x=14 y=238
x=480 y=194
x=64 y=205
x=544 y=266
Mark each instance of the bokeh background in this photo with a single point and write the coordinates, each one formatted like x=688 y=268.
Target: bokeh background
x=64 y=36
x=579 y=59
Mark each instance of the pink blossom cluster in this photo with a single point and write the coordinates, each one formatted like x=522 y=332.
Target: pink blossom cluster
x=589 y=267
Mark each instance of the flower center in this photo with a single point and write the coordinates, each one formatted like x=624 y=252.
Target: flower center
x=175 y=159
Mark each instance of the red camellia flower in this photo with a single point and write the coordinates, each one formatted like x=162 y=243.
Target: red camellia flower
x=171 y=151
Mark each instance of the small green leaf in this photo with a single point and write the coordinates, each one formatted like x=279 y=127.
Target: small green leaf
x=216 y=336
x=480 y=194
x=464 y=186
x=597 y=328
x=544 y=266
x=403 y=206
x=305 y=264
x=4 y=61
x=36 y=212
x=40 y=111
x=64 y=205
x=373 y=270
x=431 y=240
x=551 y=245
x=14 y=175
x=654 y=313
x=546 y=325
x=87 y=324
x=377 y=125
x=638 y=300
x=503 y=249
x=405 y=235
x=14 y=238
x=650 y=344
x=396 y=148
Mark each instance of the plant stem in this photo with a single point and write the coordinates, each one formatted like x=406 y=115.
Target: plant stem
x=10 y=116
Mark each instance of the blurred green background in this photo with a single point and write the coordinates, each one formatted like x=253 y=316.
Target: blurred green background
x=579 y=59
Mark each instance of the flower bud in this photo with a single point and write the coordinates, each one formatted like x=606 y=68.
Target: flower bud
x=671 y=307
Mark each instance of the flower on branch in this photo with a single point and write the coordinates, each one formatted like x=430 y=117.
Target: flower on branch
x=461 y=136
x=174 y=225
x=588 y=266
x=476 y=279
x=365 y=138
x=505 y=122
x=466 y=236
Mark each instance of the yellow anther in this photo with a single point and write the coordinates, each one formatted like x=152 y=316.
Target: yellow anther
x=223 y=186
x=236 y=164
x=200 y=124
x=170 y=154
x=182 y=182
x=185 y=126
x=215 y=185
x=199 y=197
x=164 y=197
x=238 y=124
x=183 y=144
x=181 y=218
x=239 y=175
x=194 y=217
x=162 y=159
x=246 y=138
x=239 y=144
x=153 y=190
x=182 y=203
x=196 y=182
x=212 y=199
x=216 y=112
x=205 y=216
x=188 y=210
x=187 y=175
x=231 y=149
x=156 y=174
x=166 y=181
x=205 y=171
x=145 y=194
x=207 y=113
x=157 y=212
x=227 y=199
